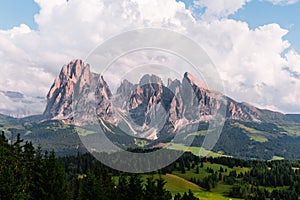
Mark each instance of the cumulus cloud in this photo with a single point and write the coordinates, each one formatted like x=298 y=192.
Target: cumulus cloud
x=219 y=8
x=68 y=30
x=251 y=62
x=293 y=60
x=291 y=82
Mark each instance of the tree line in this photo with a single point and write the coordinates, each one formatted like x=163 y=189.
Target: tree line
x=28 y=173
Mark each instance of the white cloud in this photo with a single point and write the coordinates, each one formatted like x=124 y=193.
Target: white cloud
x=20 y=106
x=31 y=59
x=219 y=8
x=22 y=29
x=250 y=61
x=293 y=60
x=282 y=2
x=290 y=82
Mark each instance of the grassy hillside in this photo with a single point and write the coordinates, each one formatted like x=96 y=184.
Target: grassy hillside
x=222 y=189
x=241 y=139
x=197 y=151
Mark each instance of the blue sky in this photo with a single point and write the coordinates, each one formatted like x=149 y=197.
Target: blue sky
x=258 y=13
x=16 y=12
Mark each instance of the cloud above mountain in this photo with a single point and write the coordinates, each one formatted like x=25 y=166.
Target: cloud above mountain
x=252 y=63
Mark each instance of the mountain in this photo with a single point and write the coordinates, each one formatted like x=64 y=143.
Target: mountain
x=75 y=83
x=149 y=108
x=73 y=78
x=149 y=114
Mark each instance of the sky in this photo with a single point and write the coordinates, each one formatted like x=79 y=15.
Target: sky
x=16 y=12
x=255 y=44
x=258 y=13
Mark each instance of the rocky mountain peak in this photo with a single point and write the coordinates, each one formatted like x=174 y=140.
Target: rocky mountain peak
x=74 y=77
x=73 y=70
x=150 y=79
x=194 y=81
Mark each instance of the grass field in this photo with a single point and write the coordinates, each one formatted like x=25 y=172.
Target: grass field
x=277 y=158
x=197 y=133
x=178 y=182
x=292 y=129
x=198 y=151
x=257 y=138
x=6 y=127
x=253 y=134
x=221 y=190
x=84 y=132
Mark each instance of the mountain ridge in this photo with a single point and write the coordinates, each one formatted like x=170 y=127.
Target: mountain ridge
x=76 y=77
x=149 y=113
x=149 y=108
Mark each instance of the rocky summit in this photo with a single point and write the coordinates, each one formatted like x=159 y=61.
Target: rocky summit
x=149 y=108
x=75 y=80
x=72 y=78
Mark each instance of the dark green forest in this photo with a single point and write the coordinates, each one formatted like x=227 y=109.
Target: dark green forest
x=29 y=173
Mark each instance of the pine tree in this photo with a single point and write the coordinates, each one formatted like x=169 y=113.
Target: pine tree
x=55 y=182
x=150 y=189
x=28 y=160
x=197 y=169
x=7 y=183
x=201 y=165
x=88 y=189
x=122 y=188
x=161 y=191
x=177 y=196
x=136 y=191
x=191 y=196
x=37 y=189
